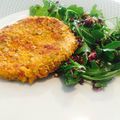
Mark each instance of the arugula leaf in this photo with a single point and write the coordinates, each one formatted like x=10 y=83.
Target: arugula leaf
x=72 y=78
x=88 y=37
x=117 y=27
x=73 y=72
x=84 y=49
x=109 y=56
x=112 y=45
x=95 y=12
x=94 y=69
x=100 y=84
x=73 y=65
x=76 y=9
x=102 y=77
x=97 y=34
x=46 y=3
x=38 y=11
x=85 y=58
x=115 y=66
x=62 y=13
x=49 y=8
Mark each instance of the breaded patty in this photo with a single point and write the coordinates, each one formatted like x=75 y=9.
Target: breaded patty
x=34 y=47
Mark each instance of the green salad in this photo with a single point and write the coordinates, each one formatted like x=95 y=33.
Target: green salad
x=97 y=58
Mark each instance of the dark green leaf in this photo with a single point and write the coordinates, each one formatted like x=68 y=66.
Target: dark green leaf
x=109 y=56
x=95 y=12
x=76 y=9
x=103 y=77
x=97 y=34
x=85 y=58
x=84 y=49
x=115 y=66
x=62 y=13
x=72 y=78
x=88 y=37
x=94 y=69
x=113 y=45
x=78 y=66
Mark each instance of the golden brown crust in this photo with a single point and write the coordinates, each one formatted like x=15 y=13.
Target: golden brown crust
x=34 y=47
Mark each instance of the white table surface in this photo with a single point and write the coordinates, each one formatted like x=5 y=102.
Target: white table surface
x=8 y=7
x=12 y=6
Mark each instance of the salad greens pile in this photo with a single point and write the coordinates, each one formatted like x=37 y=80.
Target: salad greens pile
x=97 y=58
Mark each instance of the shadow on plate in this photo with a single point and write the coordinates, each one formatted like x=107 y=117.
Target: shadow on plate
x=66 y=88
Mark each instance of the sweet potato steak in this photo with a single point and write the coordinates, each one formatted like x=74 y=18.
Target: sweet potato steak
x=34 y=47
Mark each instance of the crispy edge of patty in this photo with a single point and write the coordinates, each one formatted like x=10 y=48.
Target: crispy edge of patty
x=69 y=45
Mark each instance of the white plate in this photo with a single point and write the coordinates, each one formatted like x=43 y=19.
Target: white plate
x=51 y=99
